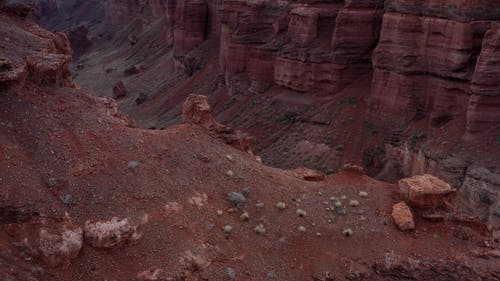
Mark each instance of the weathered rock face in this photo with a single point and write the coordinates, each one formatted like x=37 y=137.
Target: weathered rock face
x=307 y=48
x=190 y=24
x=47 y=63
x=426 y=59
x=483 y=112
x=458 y=10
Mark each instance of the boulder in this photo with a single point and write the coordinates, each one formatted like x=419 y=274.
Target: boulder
x=425 y=191
x=111 y=233
x=308 y=174
x=402 y=216
x=134 y=69
x=196 y=110
x=119 y=90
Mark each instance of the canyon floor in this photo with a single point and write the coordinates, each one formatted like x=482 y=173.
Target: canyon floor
x=94 y=188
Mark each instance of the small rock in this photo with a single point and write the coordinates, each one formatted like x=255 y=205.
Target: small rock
x=302 y=228
x=338 y=204
x=318 y=234
x=402 y=216
x=229 y=173
x=220 y=213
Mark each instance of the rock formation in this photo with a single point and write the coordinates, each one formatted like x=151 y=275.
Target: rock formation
x=111 y=233
x=196 y=110
x=425 y=191
x=119 y=90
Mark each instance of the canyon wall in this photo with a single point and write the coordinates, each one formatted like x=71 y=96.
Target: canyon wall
x=430 y=62
x=316 y=47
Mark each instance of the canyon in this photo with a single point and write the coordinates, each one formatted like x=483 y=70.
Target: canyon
x=399 y=87
x=393 y=88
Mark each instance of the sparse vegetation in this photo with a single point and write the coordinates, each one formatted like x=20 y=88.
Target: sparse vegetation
x=354 y=203
x=133 y=165
x=260 y=229
x=66 y=199
x=415 y=137
x=228 y=229
x=246 y=192
x=301 y=213
x=237 y=199
x=363 y=194
x=281 y=205
x=347 y=101
x=245 y=216
x=347 y=232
